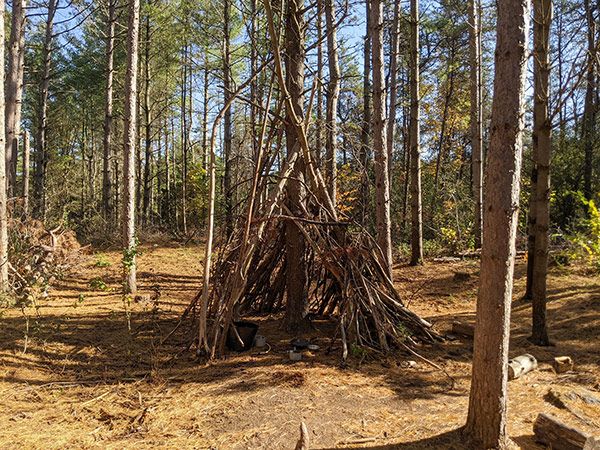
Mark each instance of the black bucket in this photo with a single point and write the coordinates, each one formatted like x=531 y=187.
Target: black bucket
x=247 y=332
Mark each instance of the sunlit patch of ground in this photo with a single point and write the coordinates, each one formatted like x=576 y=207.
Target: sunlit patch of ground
x=94 y=373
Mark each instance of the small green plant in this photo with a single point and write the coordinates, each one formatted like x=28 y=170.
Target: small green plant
x=101 y=261
x=585 y=237
x=97 y=284
x=79 y=300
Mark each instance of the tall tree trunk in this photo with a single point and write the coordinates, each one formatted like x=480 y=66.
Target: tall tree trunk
x=319 y=120
x=394 y=54
x=333 y=93
x=184 y=139
x=476 y=118
x=108 y=111
x=486 y=421
x=444 y=124
x=227 y=135
x=147 y=127
x=542 y=128
x=589 y=108
x=42 y=153
x=129 y=145
x=26 y=164
x=416 y=240
x=3 y=198
x=366 y=119
x=205 y=101
x=382 y=182
x=295 y=260
x=14 y=90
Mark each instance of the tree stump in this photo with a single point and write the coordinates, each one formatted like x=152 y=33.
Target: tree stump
x=562 y=364
x=553 y=433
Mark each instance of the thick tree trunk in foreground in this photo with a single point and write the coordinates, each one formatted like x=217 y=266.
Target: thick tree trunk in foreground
x=108 y=111
x=476 y=117
x=129 y=145
x=296 y=282
x=416 y=240
x=486 y=421
x=333 y=93
x=3 y=197
x=41 y=153
x=382 y=182
x=14 y=91
x=542 y=129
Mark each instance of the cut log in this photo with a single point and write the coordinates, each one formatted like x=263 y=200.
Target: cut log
x=521 y=365
x=463 y=329
x=562 y=364
x=303 y=442
x=554 y=434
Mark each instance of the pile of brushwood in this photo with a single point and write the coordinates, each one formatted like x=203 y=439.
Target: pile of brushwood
x=345 y=267
x=37 y=257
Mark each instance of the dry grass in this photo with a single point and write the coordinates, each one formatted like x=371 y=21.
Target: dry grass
x=95 y=375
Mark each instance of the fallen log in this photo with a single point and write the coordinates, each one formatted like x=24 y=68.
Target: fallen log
x=556 y=435
x=521 y=365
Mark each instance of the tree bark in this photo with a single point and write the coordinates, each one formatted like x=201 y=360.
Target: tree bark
x=394 y=54
x=26 y=173
x=227 y=134
x=382 y=182
x=319 y=120
x=129 y=146
x=14 y=90
x=589 y=108
x=366 y=120
x=147 y=191
x=542 y=128
x=108 y=111
x=476 y=119
x=296 y=277
x=486 y=421
x=333 y=93
x=415 y=138
x=42 y=154
x=3 y=198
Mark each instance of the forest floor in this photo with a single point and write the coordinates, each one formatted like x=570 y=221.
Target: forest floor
x=86 y=370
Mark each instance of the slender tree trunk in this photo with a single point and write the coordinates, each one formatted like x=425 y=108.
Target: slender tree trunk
x=333 y=93
x=42 y=154
x=486 y=421
x=394 y=53
x=295 y=260
x=14 y=90
x=184 y=139
x=3 y=198
x=542 y=128
x=366 y=122
x=319 y=121
x=108 y=111
x=227 y=135
x=476 y=117
x=147 y=128
x=589 y=112
x=444 y=124
x=205 y=100
x=26 y=154
x=129 y=145
x=415 y=138
x=382 y=182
